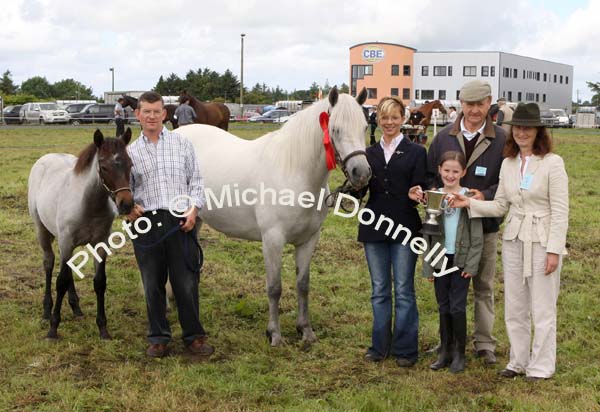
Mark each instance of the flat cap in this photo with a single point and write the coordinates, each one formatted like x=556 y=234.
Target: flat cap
x=475 y=91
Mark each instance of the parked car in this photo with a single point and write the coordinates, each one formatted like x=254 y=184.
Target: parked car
x=273 y=116
x=11 y=114
x=547 y=118
x=43 y=113
x=562 y=120
x=94 y=113
x=75 y=107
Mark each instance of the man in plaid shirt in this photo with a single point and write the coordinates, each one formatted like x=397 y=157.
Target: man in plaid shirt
x=165 y=176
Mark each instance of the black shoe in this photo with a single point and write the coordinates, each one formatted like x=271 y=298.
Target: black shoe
x=373 y=357
x=534 y=378
x=405 y=363
x=488 y=356
x=508 y=373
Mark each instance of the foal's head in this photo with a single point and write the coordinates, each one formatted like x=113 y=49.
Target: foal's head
x=114 y=167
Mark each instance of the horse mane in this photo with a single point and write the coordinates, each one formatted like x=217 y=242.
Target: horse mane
x=86 y=157
x=299 y=142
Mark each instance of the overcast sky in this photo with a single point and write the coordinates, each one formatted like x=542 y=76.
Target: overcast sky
x=288 y=43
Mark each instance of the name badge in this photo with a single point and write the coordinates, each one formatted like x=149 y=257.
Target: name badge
x=526 y=182
x=480 y=171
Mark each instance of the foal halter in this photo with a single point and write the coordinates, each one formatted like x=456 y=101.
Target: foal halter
x=111 y=193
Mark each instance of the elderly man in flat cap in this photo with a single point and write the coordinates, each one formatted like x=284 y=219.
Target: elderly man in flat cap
x=474 y=134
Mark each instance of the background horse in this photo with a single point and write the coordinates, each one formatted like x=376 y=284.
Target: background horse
x=170 y=108
x=288 y=160
x=422 y=115
x=69 y=200
x=214 y=114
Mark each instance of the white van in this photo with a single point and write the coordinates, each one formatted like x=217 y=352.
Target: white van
x=43 y=113
x=562 y=120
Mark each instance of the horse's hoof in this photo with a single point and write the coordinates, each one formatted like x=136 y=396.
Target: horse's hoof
x=309 y=336
x=52 y=334
x=78 y=314
x=105 y=335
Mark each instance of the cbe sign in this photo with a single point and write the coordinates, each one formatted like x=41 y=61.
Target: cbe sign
x=373 y=54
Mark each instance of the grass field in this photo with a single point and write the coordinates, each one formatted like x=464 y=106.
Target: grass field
x=79 y=372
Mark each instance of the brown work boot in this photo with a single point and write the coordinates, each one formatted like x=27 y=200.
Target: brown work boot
x=157 y=350
x=200 y=347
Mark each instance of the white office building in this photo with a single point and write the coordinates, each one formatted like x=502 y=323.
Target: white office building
x=440 y=75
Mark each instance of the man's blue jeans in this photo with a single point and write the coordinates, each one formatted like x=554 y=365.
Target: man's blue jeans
x=393 y=261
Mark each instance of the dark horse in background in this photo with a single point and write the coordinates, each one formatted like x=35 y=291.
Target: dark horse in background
x=421 y=116
x=214 y=114
x=170 y=108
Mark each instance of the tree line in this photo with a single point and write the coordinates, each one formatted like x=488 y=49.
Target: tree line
x=203 y=83
x=209 y=85
x=39 y=88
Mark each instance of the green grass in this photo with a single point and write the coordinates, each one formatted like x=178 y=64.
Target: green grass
x=79 y=372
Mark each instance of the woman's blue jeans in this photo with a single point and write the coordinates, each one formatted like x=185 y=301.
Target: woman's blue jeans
x=395 y=262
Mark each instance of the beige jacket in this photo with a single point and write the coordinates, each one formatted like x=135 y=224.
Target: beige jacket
x=539 y=213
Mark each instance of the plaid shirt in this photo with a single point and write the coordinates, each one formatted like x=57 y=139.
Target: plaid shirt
x=165 y=171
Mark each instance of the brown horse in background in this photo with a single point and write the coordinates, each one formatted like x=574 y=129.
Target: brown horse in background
x=422 y=115
x=214 y=114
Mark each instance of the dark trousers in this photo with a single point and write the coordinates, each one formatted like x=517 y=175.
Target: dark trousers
x=120 y=126
x=168 y=258
x=451 y=291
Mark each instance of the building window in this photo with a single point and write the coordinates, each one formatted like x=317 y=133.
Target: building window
x=439 y=70
x=372 y=93
x=417 y=96
x=405 y=93
x=442 y=94
x=529 y=97
x=457 y=94
x=537 y=76
x=523 y=73
x=394 y=91
x=449 y=70
x=469 y=71
x=519 y=96
x=359 y=71
x=427 y=94
x=561 y=79
x=545 y=77
x=485 y=71
x=567 y=79
x=492 y=71
x=554 y=78
x=395 y=70
x=509 y=96
x=406 y=70
x=515 y=73
x=424 y=70
x=505 y=72
x=544 y=98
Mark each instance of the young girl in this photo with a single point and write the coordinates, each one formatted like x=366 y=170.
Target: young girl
x=463 y=239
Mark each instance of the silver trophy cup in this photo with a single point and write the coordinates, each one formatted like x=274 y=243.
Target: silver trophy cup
x=433 y=209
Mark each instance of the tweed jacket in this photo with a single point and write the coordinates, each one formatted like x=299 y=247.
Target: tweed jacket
x=538 y=211
x=483 y=168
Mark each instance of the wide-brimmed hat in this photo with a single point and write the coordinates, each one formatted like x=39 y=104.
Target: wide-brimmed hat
x=475 y=91
x=526 y=114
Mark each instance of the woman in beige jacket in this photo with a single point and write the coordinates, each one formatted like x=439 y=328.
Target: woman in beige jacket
x=533 y=189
